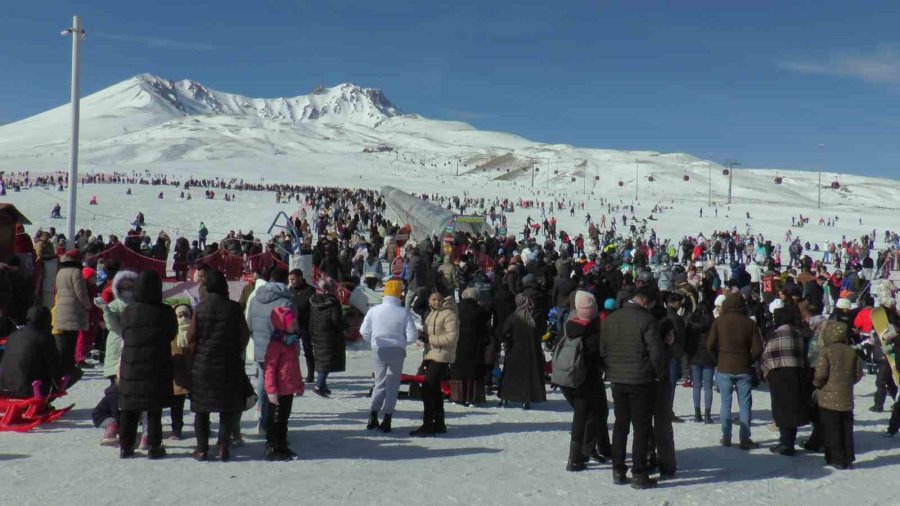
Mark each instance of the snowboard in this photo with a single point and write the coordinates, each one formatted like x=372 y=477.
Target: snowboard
x=886 y=335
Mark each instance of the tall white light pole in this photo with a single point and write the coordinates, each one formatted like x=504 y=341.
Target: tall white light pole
x=77 y=33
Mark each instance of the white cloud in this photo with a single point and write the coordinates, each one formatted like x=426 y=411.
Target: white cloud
x=158 y=42
x=882 y=65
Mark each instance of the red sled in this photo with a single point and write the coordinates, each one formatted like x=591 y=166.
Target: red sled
x=418 y=379
x=23 y=415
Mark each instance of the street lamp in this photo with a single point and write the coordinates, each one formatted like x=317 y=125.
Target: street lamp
x=77 y=33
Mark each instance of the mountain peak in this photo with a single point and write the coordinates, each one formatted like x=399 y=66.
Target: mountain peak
x=344 y=103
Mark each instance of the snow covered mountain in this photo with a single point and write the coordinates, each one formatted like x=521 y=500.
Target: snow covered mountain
x=343 y=103
x=347 y=131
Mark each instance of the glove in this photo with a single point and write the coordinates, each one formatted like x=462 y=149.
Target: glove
x=273 y=398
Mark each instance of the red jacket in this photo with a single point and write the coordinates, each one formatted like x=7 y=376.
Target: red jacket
x=282 y=368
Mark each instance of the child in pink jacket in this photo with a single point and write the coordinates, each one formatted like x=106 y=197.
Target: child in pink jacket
x=283 y=380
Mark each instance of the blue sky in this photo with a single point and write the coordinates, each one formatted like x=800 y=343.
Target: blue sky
x=764 y=82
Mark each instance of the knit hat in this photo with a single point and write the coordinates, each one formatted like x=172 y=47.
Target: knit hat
x=609 y=304
x=393 y=288
x=843 y=303
x=776 y=305
x=88 y=273
x=585 y=306
x=719 y=301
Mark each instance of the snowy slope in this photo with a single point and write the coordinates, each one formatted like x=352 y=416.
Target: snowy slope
x=148 y=122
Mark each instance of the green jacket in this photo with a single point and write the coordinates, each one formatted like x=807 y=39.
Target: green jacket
x=837 y=369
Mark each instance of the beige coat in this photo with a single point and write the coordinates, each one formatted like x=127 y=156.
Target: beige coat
x=72 y=299
x=442 y=328
x=837 y=369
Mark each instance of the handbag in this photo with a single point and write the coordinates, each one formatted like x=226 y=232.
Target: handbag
x=251 y=397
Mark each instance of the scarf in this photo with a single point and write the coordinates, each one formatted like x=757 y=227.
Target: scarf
x=525 y=309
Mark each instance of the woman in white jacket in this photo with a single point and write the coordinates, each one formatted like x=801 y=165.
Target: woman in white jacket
x=389 y=328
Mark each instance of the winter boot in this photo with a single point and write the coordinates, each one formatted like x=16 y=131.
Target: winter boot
x=440 y=427
x=373 y=420
x=783 y=449
x=271 y=452
x=707 y=418
x=642 y=482
x=386 y=423
x=156 y=452
x=596 y=456
x=748 y=444
x=426 y=430
x=576 y=458
x=110 y=435
x=224 y=454
x=620 y=477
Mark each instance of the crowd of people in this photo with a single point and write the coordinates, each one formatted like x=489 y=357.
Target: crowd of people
x=621 y=307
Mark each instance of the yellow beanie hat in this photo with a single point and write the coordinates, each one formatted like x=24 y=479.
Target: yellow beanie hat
x=393 y=288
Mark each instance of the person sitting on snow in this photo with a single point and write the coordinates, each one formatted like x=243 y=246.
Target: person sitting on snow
x=30 y=356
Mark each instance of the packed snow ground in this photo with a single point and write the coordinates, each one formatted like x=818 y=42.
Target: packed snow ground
x=489 y=456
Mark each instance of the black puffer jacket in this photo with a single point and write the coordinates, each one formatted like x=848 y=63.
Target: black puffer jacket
x=474 y=337
x=145 y=381
x=30 y=355
x=301 y=302
x=219 y=335
x=631 y=346
x=590 y=341
x=326 y=328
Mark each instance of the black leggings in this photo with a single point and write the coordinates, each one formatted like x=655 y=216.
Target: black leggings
x=128 y=422
x=177 y=412
x=277 y=423
x=65 y=346
x=227 y=420
x=590 y=419
x=432 y=396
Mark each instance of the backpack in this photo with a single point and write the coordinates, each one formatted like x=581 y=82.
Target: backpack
x=569 y=368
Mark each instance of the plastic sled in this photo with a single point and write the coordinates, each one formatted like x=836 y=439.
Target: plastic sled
x=418 y=379
x=23 y=415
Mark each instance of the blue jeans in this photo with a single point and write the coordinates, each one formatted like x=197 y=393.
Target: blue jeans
x=744 y=384
x=561 y=314
x=702 y=377
x=263 y=402
x=674 y=375
x=321 y=377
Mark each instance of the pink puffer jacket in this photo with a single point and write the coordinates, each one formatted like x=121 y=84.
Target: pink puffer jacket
x=282 y=368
